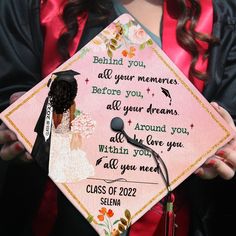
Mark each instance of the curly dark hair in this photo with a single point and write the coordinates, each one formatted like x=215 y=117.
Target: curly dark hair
x=74 y=8
x=186 y=14
x=62 y=94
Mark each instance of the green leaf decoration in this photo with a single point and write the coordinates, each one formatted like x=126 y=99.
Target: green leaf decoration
x=125 y=29
x=115 y=222
x=123 y=221
x=149 y=42
x=114 y=42
x=129 y=24
x=134 y=22
x=142 y=46
x=106 y=233
x=77 y=112
x=127 y=214
x=84 y=52
x=109 y=53
x=121 y=227
x=118 y=36
x=112 y=47
x=90 y=218
x=103 y=225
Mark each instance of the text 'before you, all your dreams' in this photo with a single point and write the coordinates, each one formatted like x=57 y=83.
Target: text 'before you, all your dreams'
x=114 y=78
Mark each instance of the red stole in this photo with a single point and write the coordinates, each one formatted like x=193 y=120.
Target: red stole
x=177 y=54
x=52 y=25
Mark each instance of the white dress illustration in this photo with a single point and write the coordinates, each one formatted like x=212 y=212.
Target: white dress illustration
x=66 y=165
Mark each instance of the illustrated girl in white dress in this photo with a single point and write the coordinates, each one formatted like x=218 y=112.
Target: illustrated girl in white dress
x=67 y=162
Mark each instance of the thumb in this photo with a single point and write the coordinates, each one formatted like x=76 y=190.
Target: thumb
x=15 y=96
x=224 y=114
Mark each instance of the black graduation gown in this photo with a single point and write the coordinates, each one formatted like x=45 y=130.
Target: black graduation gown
x=21 y=41
x=41 y=148
x=21 y=46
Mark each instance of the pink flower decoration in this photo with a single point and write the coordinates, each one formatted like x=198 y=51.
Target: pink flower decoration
x=83 y=124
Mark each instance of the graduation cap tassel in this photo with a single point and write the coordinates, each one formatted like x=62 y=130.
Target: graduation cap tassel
x=117 y=125
x=170 y=217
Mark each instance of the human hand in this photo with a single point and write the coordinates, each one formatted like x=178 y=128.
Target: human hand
x=223 y=163
x=12 y=148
